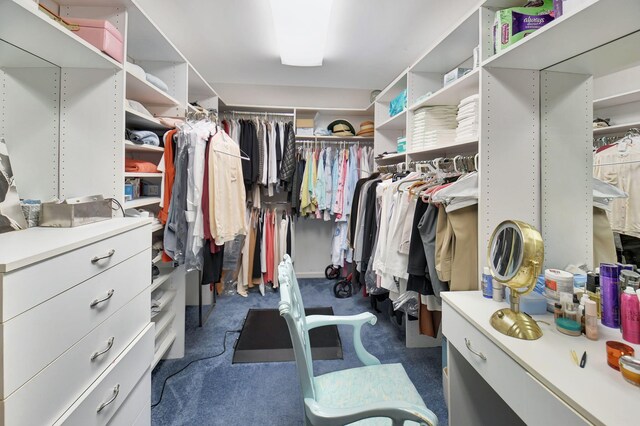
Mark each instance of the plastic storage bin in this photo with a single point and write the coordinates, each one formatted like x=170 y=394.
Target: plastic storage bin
x=103 y=35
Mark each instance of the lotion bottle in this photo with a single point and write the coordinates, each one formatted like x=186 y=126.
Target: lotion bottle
x=591 y=319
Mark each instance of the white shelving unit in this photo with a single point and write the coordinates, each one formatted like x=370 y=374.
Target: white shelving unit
x=146 y=93
x=335 y=138
x=616 y=129
x=616 y=100
x=73 y=90
x=391 y=159
x=160 y=279
x=132 y=147
x=141 y=202
x=163 y=347
x=534 y=129
x=142 y=175
x=137 y=120
x=397 y=122
x=36 y=33
x=453 y=93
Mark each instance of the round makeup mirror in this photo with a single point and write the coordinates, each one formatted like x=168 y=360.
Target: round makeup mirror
x=515 y=257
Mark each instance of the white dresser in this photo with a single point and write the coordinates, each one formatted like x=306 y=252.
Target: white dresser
x=77 y=342
x=499 y=380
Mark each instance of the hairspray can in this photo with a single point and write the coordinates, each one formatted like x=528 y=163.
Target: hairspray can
x=630 y=316
x=609 y=290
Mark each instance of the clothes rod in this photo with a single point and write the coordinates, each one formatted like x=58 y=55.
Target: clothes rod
x=336 y=142
x=283 y=114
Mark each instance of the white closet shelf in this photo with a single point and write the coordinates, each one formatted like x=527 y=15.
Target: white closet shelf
x=35 y=32
x=619 y=99
x=353 y=112
x=453 y=148
x=393 y=158
x=146 y=93
x=163 y=320
x=165 y=274
x=394 y=88
x=141 y=202
x=454 y=92
x=142 y=175
x=453 y=49
x=166 y=298
x=335 y=138
x=132 y=147
x=548 y=46
x=163 y=348
x=137 y=120
x=397 y=122
x=618 y=128
x=158 y=258
x=157 y=227
x=198 y=88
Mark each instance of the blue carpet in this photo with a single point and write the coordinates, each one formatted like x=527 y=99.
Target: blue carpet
x=215 y=392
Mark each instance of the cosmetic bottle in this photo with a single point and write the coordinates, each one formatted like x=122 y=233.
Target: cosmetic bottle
x=593 y=290
x=557 y=311
x=630 y=316
x=609 y=291
x=628 y=278
x=591 y=320
x=487 y=283
x=498 y=291
x=581 y=311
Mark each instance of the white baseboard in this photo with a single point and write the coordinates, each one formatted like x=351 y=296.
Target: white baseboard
x=310 y=274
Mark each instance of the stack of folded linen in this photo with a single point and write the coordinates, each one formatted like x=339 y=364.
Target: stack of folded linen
x=468 y=120
x=433 y=126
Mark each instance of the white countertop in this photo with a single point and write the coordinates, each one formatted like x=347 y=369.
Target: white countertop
x=597 y=392
x=21 y=248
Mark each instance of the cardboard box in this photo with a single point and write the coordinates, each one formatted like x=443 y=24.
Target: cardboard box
x=305 y=122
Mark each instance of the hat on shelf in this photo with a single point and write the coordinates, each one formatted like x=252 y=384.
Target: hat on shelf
x=366 y=128
x=341 y=128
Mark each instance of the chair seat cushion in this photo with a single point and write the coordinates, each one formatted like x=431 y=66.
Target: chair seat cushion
x=365 y=385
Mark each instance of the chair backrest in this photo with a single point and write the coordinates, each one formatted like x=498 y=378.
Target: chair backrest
x=292 y=309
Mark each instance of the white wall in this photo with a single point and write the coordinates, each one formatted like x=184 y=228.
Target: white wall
x=313 y=247
x=612 y=84
x=292 y=96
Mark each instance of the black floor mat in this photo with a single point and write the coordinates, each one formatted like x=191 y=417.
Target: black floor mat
x=265 y=338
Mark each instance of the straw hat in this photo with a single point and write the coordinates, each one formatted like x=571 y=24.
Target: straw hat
x=341 y=128
x=366 y=128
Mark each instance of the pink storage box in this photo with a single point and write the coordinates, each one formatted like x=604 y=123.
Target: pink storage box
x=102 y=34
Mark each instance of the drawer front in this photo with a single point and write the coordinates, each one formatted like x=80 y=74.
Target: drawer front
x=34 y=339
x=103 y=399
x=137 y=406
x=27 y=287
x=59 y=385
x=507 y=378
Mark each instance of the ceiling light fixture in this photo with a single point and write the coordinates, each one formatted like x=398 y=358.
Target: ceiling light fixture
x=301 y=30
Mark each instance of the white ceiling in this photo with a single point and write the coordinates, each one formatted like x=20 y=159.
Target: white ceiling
x=370 y=41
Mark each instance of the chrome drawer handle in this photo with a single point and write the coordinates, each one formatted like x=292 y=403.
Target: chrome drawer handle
x=104 y=351
x=98 y=301
x=96 y=259
x=116 y=391
x=479 y=354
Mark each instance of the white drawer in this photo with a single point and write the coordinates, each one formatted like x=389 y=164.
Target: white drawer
x=114 y=386
x=34 y=339
x=59 y=385
x=525 y=394
x=144 y=418
x=25 y=288
x=137 y=406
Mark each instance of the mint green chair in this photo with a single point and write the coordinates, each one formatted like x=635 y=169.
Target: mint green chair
x=376 y=394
